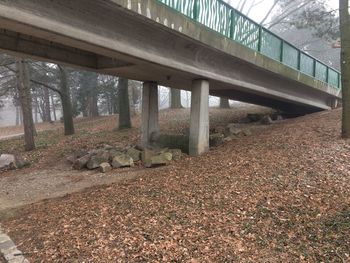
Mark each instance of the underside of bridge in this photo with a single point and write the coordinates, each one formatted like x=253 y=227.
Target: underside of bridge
x=146 y=41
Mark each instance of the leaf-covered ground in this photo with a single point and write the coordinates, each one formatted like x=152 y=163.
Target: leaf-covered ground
x=282 y=195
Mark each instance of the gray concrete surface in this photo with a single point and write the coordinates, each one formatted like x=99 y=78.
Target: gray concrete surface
x=146 y=41
x=199 y=123
x=150 y=118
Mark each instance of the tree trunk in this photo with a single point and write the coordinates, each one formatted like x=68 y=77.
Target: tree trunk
x=345 y=64
x=224 y=103
x=124 y=104
x=175 y=99
x=66 y=103
x=17 y=115
x=92 y=105
x=53 y=107
x=26 y=103
x=47 y=108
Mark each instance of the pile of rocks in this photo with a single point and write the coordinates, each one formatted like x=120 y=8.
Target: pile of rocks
x=109 y=157
x=243 y=128
x=12 y=162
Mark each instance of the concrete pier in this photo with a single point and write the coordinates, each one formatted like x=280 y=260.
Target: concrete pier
x=149 y=122
x=199 y=126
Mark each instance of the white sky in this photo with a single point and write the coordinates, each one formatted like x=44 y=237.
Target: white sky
x=259 y=12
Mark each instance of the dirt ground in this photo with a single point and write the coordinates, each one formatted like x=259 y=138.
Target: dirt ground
x=279 y=195
x=51 y=176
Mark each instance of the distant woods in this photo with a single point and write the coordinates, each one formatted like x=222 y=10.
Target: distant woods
x=47 y=92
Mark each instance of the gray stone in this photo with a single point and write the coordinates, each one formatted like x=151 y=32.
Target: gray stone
x=176 y=154
x=122 y=160
x=216 y=139
x=247 y=132
x=279 y=118
x=233 y=129
x=160 y=159
x=255 y=117
x=134 y=154
x=113 y=153
x=81 y=162
x=96 y=160
x=7 y=161
x=105 y=167
x=147 y=154
x=266 y=120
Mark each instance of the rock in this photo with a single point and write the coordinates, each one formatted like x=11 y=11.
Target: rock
x=21 y=163
x=247 y=132
x=107 y=147
x=7 y=161
x=147 y=154
x=279 y=118
x=134 y=154
x=122 y=160
x=113 y=153
x=255 y=117
x=233 y=129
x=244 y=120
x=216 y=139
x=266 y=120
x=160 y=159
x=81 y=162
x=76 y=155
x=105 y=167
x=177 y=154
x=97 y=159
x=230 y=138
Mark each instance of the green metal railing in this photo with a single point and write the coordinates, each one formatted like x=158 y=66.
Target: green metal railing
x=224 y=19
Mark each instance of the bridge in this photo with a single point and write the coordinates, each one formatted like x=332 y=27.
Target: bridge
x=204 y=46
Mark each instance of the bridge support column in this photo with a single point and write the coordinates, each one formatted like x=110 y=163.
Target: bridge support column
x=199 y=126
x=149 y=121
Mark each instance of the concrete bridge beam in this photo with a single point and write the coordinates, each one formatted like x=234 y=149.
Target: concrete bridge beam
x=149 y=121
x=199 y=124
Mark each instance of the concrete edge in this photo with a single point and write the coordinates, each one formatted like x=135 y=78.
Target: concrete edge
x=9 y=250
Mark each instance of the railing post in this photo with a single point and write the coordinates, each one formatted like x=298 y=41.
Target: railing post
x=327 y=75
x=281 y=54
x=196 y=10
x=314 y=69
x=233 y=24
x=299 y=60
x=260 y=39
x=339 y=80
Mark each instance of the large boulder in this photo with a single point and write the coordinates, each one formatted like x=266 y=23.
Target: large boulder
x=7 y=161
x=176 y=154
x=76 y=155
x=105 y=167
x=147 y=154
x=134 y=154
x=81 y=163
x=113 y=153
x=97 y=159
x=266 y=120
x=122 y=160
x=160 y=159
x=233 y=129
x=216 y=139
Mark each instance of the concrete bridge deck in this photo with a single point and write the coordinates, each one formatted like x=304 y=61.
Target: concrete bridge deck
x=148 y=41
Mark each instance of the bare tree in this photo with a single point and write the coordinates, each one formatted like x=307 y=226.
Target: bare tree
x=175 y=99
x=345 y=64
x=24 y=94
x=124 y=104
